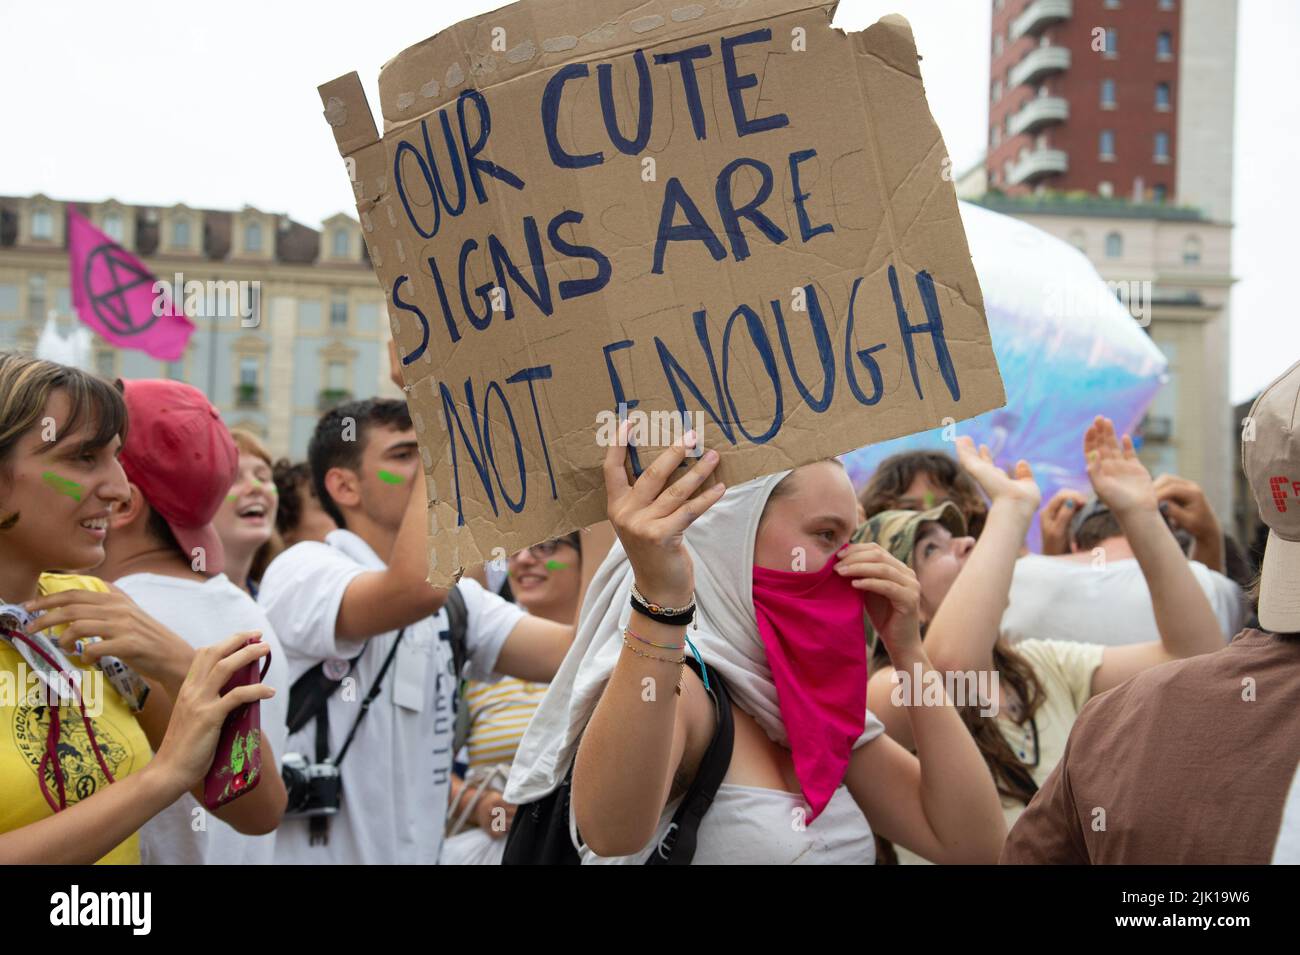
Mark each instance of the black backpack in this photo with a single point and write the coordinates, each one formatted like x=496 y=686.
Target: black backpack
x=539 y=834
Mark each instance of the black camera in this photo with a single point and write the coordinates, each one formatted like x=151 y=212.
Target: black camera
x=314 y=788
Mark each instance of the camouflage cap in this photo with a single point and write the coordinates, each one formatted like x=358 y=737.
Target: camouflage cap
x=896 y=532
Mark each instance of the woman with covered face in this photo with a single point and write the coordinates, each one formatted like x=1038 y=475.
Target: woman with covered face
x=776 y=600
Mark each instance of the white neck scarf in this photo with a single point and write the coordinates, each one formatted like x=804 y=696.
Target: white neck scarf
x=721 y=545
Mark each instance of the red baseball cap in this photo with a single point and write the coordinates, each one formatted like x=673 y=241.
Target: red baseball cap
x=180 y=454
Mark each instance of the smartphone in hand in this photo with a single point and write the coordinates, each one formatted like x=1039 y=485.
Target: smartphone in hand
x=237 y=765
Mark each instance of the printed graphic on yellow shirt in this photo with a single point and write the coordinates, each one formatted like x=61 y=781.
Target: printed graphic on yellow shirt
x=82 y=774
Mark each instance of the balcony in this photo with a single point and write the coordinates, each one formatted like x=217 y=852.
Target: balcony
x=332 y=397
x=1038 y=16
x=1037 y=164
x=1039 y=62
x=247 y=395
x=1037 y=113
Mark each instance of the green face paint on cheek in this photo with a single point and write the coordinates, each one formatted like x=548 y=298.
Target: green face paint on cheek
x=63 y=485
x=555 y=565
x=388 y=477
x=929 y=500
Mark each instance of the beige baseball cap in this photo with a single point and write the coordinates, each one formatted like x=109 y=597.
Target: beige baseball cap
x=1270 y=456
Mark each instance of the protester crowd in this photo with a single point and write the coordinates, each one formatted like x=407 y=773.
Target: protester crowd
x=784 y=671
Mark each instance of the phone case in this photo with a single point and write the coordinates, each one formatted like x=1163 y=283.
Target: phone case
x=237 y=765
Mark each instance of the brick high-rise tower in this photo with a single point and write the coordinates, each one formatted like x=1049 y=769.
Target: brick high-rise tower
x=1113 y=97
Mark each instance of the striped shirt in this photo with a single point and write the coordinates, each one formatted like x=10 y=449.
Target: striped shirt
x=498 y=715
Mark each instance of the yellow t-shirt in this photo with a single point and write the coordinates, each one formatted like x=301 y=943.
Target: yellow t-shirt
x=24 y=728
x=1064 y=669
x=498 y=715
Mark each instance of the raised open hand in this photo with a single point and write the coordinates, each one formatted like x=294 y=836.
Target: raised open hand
x=1020 y=487
x=1121 y=481
x=651 y=519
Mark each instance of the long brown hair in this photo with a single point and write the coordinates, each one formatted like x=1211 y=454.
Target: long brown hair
x=1011 y=776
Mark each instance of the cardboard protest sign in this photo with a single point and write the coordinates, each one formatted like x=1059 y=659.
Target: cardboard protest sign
x=727 y=211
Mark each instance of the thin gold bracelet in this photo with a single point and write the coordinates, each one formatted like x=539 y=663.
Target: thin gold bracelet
x=650 y=656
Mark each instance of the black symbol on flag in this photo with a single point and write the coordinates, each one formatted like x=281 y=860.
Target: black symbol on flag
x=117 y=277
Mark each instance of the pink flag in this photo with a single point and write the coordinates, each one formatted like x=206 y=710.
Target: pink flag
x=113 y=293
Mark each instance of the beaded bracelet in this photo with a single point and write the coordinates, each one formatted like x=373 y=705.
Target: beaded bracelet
x=673 y=616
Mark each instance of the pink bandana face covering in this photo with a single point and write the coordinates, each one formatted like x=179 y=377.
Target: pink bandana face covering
x=811 y=627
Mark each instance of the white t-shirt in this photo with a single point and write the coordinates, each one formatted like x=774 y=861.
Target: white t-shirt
x=1056 y=598
x=205 y=613
x=1287 y=849
x=396 y=775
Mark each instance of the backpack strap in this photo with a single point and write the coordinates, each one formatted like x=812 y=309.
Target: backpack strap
x=678 y=845
x=458 y=628
x=310 y=692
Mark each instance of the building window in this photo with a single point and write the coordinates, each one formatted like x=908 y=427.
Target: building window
x=339 y=310
x=181 y=233
x=253 y=237
x=1114 y=245
x=1192 y=251
x=42 y=224
x=996 y=136
x=1112 y=42
x=1162 y=96
x=1166 y=4
x=1078 y=240
x=106 y=363
x=1006 y=170
x=247 y=391
x=1106 y=147
x=1158 y=192
x=997 y=44
x=997 y=90
x=1107 y=94
x=1112 y=4
x=1162 y=147
x=341 y=243
x=36 y=297
x=1105 y=189
x=113 y=226
x=1164 y=46
x=8 y=299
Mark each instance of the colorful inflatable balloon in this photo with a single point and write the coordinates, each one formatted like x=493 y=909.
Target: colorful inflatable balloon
x=1067 y=348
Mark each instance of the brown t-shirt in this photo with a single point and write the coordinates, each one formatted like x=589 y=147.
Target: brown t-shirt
x=1189 y=762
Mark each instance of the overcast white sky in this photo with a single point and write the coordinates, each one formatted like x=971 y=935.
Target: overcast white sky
x=215 y=105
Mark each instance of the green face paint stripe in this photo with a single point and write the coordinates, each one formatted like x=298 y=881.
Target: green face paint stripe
x=929 y=500
x=555 y=565
x=62 y=485
x=388 y=477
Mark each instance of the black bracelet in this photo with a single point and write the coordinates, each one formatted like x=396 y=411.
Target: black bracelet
x=659 y=614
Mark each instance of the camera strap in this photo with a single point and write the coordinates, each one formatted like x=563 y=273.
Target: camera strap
x=370 y=697
x=313 y=699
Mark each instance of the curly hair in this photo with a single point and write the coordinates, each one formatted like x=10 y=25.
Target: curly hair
x=887 y=487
